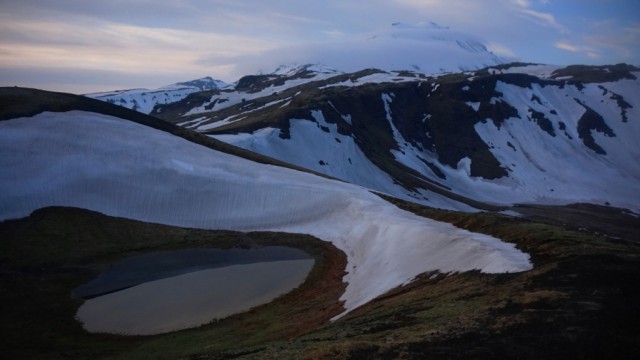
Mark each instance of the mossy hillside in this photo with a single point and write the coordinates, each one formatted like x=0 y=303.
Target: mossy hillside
x=45 y=256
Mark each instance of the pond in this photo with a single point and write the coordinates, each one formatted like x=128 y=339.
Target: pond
x=162 y=292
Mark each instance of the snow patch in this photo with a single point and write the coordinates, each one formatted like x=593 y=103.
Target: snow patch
x=113 y=166
x=474 y=105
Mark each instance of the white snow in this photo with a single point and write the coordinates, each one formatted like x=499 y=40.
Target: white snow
x=233 y=118
x=540 y=70
x=561 y=169
x=336 y=155
x=234 y=97
x=329 y=153
x=144 y=100
x=125 y=169
x=293 y=69
x=474 y=105
x=377 y=78
x=541 y=168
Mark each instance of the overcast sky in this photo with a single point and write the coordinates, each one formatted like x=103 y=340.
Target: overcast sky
x=83 y=46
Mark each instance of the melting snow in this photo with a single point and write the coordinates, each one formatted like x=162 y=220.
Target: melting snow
x=543 y=173
x=474 y=105
x=120 y=168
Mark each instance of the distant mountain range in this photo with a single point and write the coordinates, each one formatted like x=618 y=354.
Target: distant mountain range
x=426 y=47
x=471 y=140
x=144 y=100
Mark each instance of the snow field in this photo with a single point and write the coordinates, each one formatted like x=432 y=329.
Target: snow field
x=561 y=168
x=125 y=169
x=542 y=168
x=546 y=169
x=143 y=100
x=236 y=97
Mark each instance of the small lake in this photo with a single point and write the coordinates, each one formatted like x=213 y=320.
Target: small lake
x=162 y=292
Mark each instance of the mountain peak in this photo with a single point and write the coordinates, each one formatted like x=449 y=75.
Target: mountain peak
x=292 y=69
x=205 y=83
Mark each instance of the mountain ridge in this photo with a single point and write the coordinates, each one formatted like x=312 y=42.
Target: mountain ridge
x=62 y=149
x=144 y=100
x=440 y=133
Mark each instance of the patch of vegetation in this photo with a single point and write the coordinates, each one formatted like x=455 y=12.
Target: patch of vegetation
x=596 y=74
x=614 y=223
x=45 y=256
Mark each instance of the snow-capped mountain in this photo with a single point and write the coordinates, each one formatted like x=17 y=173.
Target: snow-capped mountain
x=425 y=47
x=294 y=69
x=428 y=47
x=520 y=133
x=205 y=83
x=144 y=100
x=248 y=89
x=111 y=164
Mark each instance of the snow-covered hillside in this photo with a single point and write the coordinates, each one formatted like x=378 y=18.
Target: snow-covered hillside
x=501 y=136
x=259 y=93
x=317 y=145
x=113 y=166
x=247 y=89
x=144 y=100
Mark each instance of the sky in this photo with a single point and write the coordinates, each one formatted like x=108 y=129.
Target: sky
x=82 y=46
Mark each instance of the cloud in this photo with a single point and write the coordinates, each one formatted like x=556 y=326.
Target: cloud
x=334 y=33
x=505 y=21
x=501 y=50
x=524 y=9
x=543 y=19
x=605 y=41
x=522 y=3
x=82 y=81
x=568 y=47
x=577 y=48
x=424 y=47
x=118 y=47
x=619 y=42
x=227 y=38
